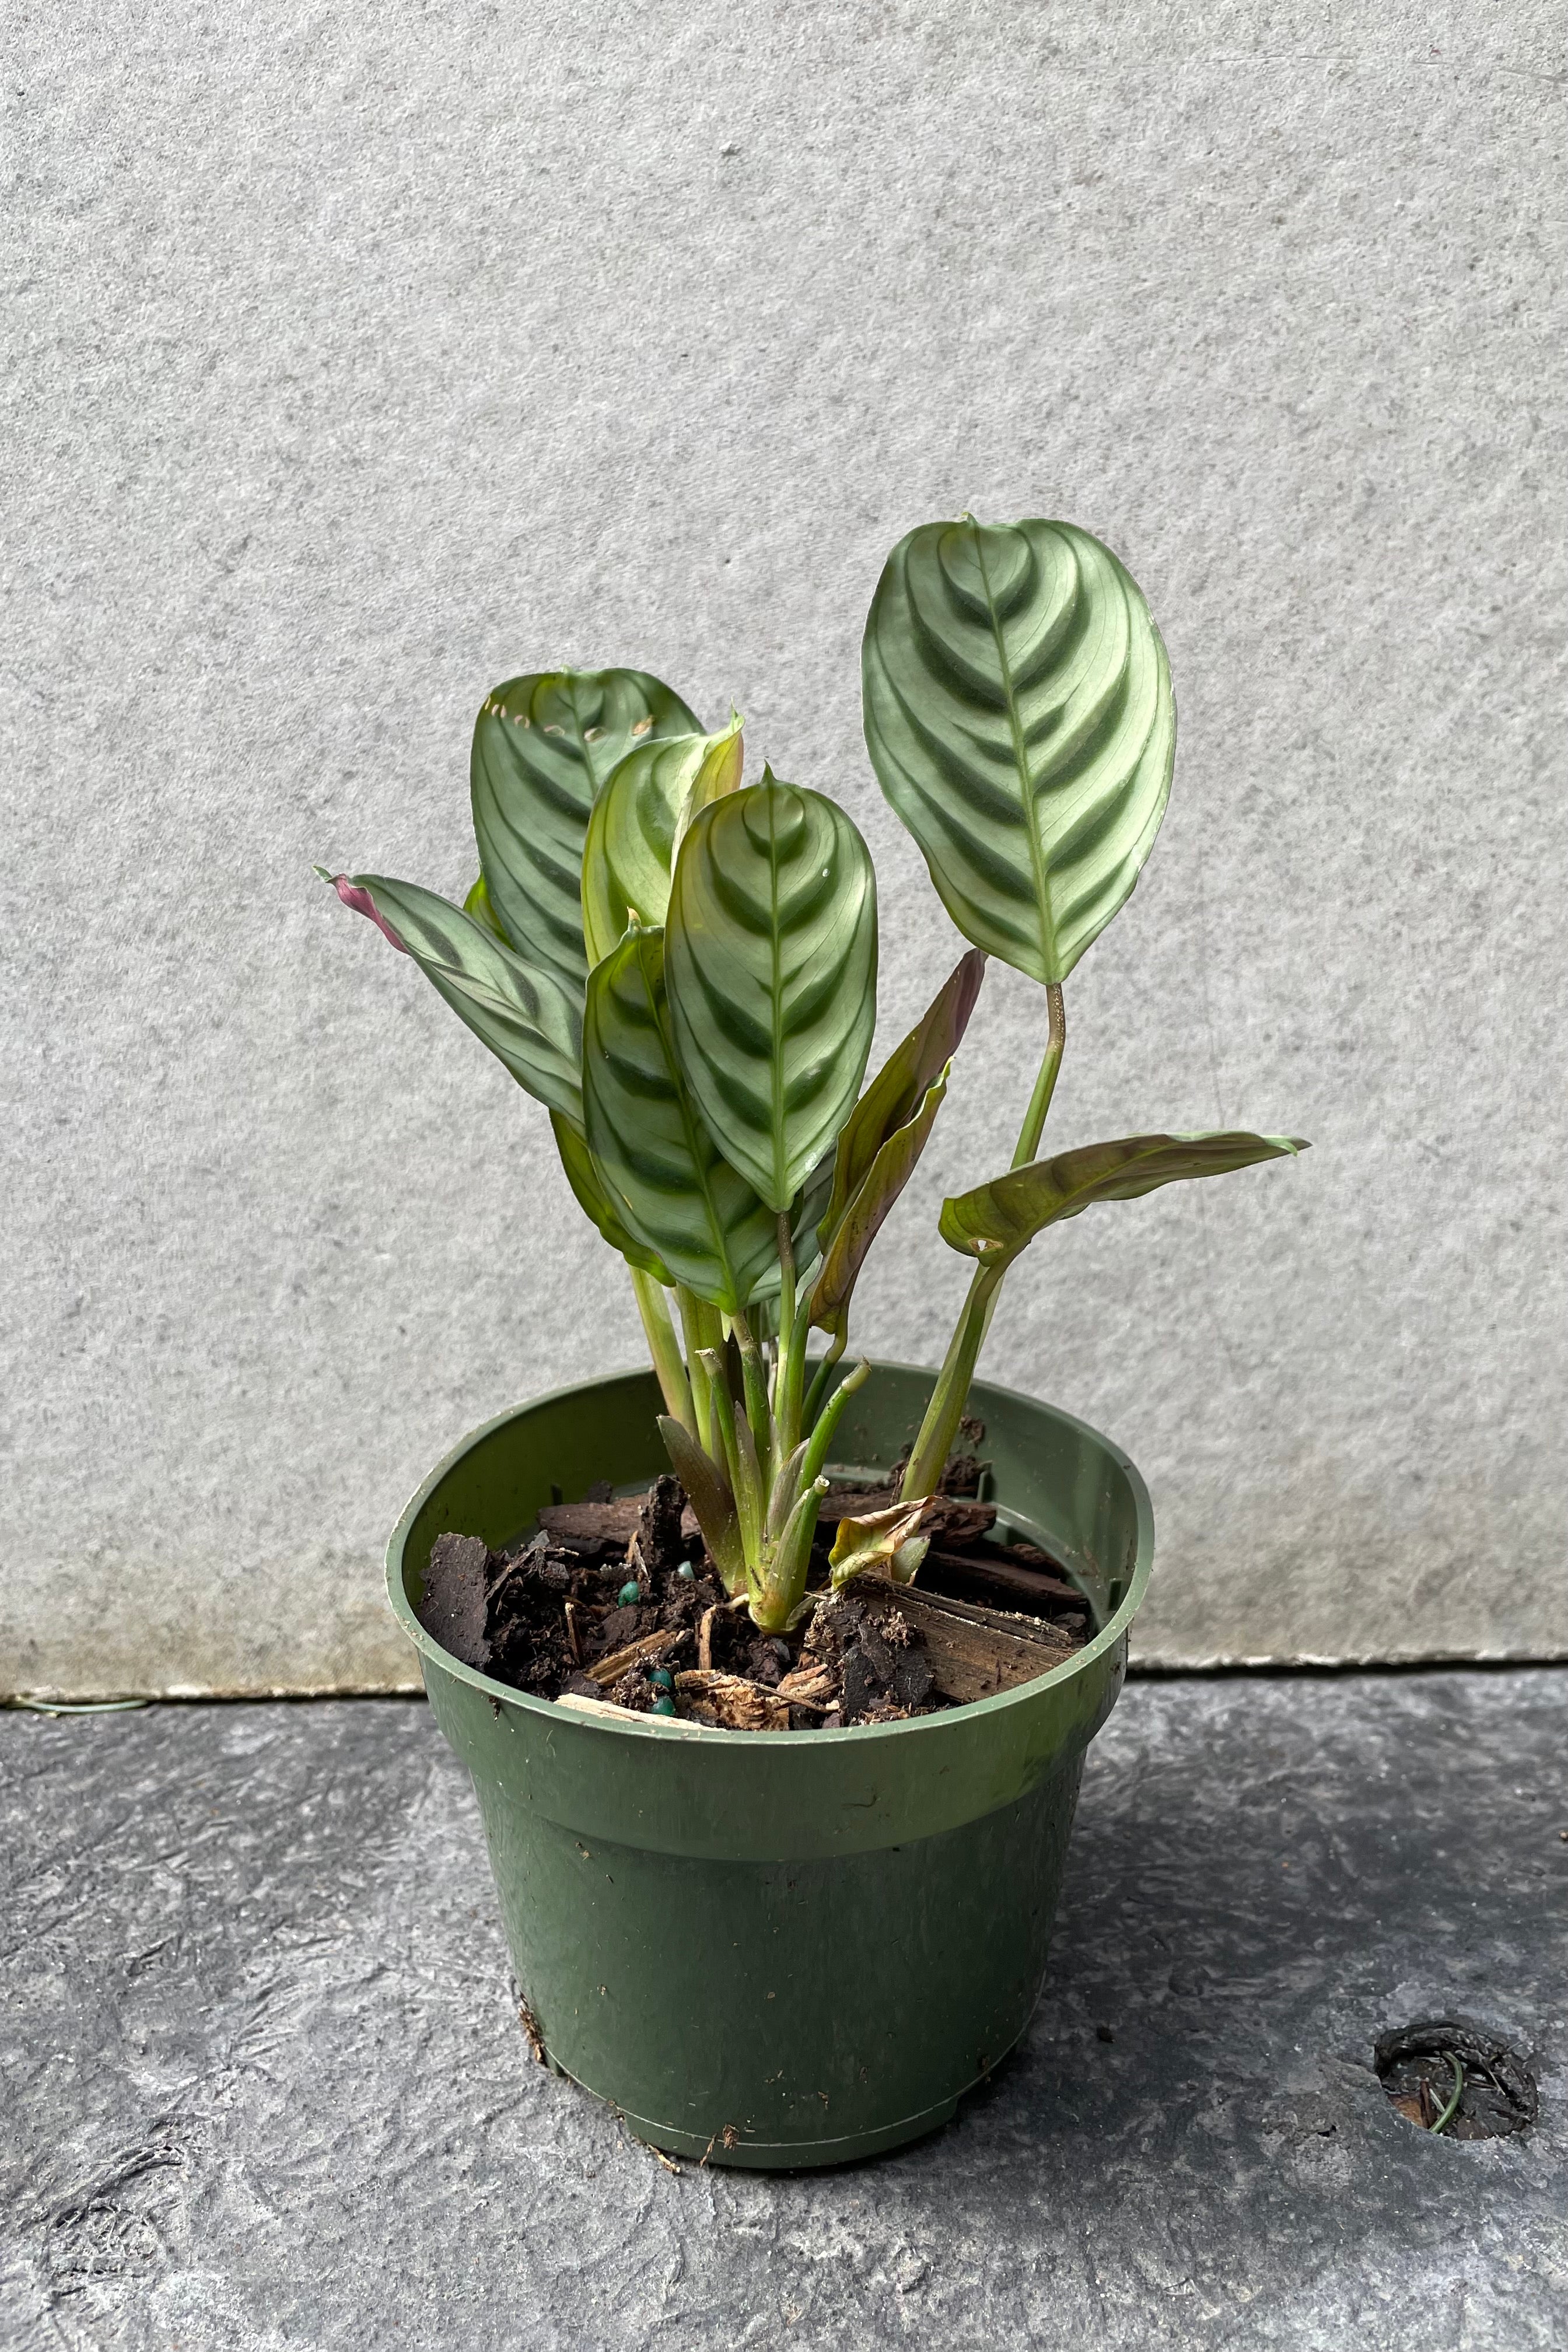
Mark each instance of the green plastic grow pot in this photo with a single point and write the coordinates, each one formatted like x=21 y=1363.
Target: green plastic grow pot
x=779 y=1949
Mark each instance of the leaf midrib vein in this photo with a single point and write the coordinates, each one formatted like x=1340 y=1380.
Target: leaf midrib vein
x=777 y=1089
x=719 y=1239
x=1042 y=898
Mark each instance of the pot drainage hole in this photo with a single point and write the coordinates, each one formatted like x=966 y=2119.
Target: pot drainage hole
x=1450 y=2076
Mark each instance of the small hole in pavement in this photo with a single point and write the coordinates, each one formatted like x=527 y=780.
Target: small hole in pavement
x=1416 y=2066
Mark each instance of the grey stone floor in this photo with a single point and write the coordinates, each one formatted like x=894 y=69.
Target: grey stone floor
x=263 y=2084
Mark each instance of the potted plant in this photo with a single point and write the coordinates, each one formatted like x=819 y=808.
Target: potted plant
x=782 y=1951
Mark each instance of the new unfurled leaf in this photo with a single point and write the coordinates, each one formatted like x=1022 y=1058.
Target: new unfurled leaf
x=863 y=1220
x=527 y=1018
x=998 y=1220
x=900 y=1088
x=674 y=1190
x=1019 y=715
x=718 y=773
x=772 y=976
x=596 y=1201
x=637 y=823
x=886 y=1539
x=544 y=745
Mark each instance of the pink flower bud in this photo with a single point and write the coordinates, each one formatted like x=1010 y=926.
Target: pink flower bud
x=363 y=904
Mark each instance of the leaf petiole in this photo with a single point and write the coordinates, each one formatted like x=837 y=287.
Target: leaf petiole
x=1046 y=1084
x=822 y=1435
x=754 y=1379
x=823 y=1374
x=665 y=1348
x=927 y=1457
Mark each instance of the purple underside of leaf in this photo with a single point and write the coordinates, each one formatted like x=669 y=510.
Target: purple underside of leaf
x=363 y=904
x=964 y=984
x=884 y=1182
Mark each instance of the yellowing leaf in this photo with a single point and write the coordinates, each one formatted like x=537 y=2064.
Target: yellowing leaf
x=881 y=1538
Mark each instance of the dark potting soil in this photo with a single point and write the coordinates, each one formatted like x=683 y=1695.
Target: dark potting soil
x=615 y=1600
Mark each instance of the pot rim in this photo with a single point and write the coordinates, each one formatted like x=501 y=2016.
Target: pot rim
x=653 y=1726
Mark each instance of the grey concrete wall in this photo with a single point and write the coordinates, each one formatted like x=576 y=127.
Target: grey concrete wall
x=358 y=361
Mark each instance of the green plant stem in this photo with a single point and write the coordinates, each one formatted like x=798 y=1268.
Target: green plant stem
x=783 y=1581
x=823 y=1373
x=784 y=1584
x=784 y=1496
x=741 y=1462
x=1452 y=2109
x=665 y=1350
x=787 y=1385
x=754 y=1379
x=701 y=1324
x=798 y=1363
x=1046 y=1084
x=753 y=1477
x=928 y=1458
x=822 y=1435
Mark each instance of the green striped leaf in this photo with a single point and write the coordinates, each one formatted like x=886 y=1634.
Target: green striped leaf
x=636 y=822
x=773 y=977
x=1019 y=717
x=543 y=744
x=998 y=1220
x=674 y=1191
x=527 y=1018
x=596 y=1201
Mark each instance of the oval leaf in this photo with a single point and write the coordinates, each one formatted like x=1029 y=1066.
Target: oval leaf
x=543 y=744
x=900 y=1086
x=637 y=823
x=596 y=1201
x=997 y=1221
x=773 y=977
x=527 y=1018
x=1019 y=717
x=670 y=1184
